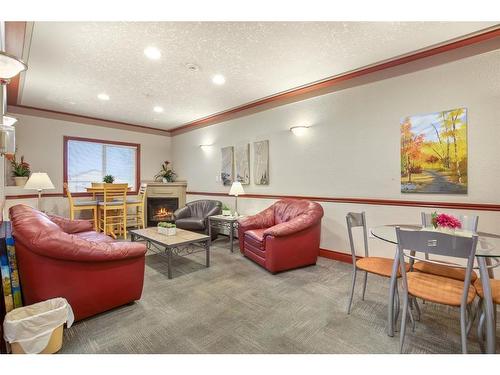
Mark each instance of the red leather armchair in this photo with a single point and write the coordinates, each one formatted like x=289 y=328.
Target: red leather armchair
x=58 y=257
x=284 y=236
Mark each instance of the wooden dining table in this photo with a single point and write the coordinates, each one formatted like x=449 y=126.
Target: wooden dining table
x=488 y=249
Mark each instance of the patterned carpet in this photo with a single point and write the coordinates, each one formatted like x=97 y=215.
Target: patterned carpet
x=237 y=307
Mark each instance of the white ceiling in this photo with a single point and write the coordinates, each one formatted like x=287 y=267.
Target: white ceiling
x=71 y=62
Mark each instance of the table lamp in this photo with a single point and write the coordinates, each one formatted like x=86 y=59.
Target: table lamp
x=39 y=181
x=236 y=189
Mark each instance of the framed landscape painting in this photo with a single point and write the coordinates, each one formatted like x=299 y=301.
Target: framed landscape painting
x=227 y=161
x=434 y=153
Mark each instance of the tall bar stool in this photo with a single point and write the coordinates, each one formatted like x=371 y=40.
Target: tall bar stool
x=374 y=265
x=89 y=205
x=139 y=203
x=113 y=209
x=469 y=223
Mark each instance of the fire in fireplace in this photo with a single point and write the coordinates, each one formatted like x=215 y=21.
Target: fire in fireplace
x=161 y=209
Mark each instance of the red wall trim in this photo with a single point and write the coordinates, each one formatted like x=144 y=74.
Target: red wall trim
x=137 y=159
x=78 y=118
x=336 y=80
x=368 y=201
x=29 y=196
x=336 y=255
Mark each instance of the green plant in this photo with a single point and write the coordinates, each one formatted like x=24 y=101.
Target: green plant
x=171 y=225
x=163 y=224
x=21 y=169
x=166 y=173
x=108 y=179
x=225 y=207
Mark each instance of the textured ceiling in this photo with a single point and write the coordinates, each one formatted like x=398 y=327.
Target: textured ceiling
x=71 y=63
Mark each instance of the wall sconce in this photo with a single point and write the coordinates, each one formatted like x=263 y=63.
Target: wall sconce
x=299 y=131
x=205 y=147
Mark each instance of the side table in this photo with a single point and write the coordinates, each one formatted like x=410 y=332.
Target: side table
x=224 y=222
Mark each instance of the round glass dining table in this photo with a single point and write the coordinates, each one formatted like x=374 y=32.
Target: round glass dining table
x=488 y=247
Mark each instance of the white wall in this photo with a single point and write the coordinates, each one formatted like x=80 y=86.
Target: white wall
x=352 y=149
x=40 y=140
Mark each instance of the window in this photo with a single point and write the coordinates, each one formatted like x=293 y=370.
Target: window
x=89 y=160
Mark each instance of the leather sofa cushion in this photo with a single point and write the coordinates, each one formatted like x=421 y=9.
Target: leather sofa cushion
x=94 y=236
x=255 y=242
x=191 y=223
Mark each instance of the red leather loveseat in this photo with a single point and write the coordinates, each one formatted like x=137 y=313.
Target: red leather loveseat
x=58 y=257
x=285 y=235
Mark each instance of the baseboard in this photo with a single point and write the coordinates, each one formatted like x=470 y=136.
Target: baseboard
x=336 y=255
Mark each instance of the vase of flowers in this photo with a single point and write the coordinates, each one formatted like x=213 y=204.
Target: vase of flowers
x=166 y=174
x=445 y=223
x=108 y=179
x=226 y=211
x=20 y=170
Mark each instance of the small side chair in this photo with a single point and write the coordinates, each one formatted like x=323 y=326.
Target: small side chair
x=374 y=265
x=138 y=203
x=88 y=205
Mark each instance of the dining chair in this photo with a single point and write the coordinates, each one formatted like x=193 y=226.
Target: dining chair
x=138 y=203
x=113 y=209
x=435 y=288
x=83 y=205
x=495 y=294
x=374 y=265
x=469 y=223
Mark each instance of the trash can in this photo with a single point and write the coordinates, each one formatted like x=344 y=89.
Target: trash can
x=38 y=328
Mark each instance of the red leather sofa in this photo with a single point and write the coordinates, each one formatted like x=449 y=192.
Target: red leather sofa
x=58 y=257
x=284 y=236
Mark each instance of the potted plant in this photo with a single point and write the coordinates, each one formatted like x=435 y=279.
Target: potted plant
x=226 y=211
x=171 y=229
x=162 y=227
x=20 y=170
x=445 y=223
x=166 y=174
x=108 y=179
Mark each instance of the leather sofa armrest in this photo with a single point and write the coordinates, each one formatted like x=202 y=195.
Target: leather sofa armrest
x=263 y=219
x=182 y=213
x=294 y=225
x=214 y=211
x=71 y=226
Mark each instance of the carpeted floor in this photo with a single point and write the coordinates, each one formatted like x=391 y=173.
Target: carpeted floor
x=236 y=306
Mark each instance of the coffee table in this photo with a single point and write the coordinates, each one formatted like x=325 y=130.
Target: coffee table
x=182 y=243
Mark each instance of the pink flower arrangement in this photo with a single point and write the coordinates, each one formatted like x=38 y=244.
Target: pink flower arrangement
x=445 y=221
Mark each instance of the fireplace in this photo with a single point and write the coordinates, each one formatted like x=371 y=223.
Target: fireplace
x=161 y=209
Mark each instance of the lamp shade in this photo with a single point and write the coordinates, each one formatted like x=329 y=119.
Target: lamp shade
x=236 y=189
x=10 y=66
x=39 y=181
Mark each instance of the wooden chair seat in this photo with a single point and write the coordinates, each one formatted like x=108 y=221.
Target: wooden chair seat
x=377 y=265
x=445 y=271
x=84 y=203
x=495 y=289
x=438 y=289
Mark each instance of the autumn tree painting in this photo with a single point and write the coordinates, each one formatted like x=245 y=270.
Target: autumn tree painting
x=434 y=153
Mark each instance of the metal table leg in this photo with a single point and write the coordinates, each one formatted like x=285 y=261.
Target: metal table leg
x=231 y=235
x=392 y=291
x=488 y=306
x=169 y=261
x=209 y=228
x=207 y=250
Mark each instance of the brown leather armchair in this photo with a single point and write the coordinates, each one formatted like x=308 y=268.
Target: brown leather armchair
x=194 y=216
x=284 y=236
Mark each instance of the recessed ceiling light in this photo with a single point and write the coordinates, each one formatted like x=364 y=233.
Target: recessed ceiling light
x=158 y=109
x=218 y=79
x=103 y=96
x=152 y=53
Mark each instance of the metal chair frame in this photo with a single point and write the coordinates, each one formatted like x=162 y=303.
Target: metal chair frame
x=354 y=220
x=444 y=245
